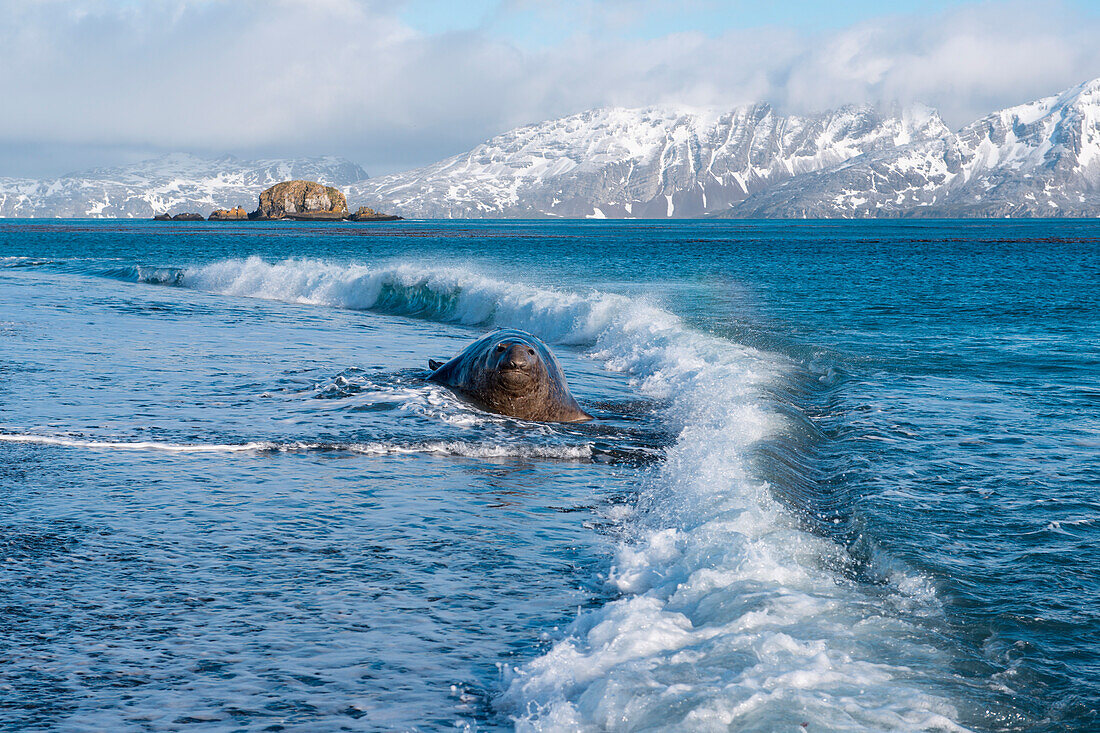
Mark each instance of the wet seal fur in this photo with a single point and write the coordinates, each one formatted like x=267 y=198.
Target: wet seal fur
x=511 y=372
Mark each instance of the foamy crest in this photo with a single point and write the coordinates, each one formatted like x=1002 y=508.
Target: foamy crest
x=465 y=449
x=478 y=450
x=16 y=261
x=447 y=294
x=729 y=617
x=135 y=445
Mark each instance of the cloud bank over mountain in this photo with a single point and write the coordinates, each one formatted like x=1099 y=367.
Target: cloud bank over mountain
x=357 y=78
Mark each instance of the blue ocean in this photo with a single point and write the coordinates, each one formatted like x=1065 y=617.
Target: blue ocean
x=843 y=476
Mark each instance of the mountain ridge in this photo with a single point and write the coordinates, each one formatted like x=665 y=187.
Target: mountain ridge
x=1037 y=159
x=172 y=183
x=645 y=162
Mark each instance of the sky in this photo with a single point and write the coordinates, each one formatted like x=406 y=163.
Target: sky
x=395 y=84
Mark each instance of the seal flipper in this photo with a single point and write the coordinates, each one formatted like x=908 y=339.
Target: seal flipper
x=433 y=364
x=576 y=414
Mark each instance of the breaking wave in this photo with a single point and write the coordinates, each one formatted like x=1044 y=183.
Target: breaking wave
x=444 y=294
x=729 y=613
x=144 y=274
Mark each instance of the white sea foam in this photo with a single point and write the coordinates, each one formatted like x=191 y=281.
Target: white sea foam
x=729 y=617
x=134 y=445
x=460 y=448
x=478 y=450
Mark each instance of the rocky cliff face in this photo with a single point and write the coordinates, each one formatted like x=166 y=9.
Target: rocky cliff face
x=641 y=163
x=299 y=197
x=169 y=184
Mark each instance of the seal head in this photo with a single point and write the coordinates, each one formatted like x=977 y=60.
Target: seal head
x=512 y=373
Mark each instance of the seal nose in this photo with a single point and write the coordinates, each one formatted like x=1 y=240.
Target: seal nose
x=517 y=357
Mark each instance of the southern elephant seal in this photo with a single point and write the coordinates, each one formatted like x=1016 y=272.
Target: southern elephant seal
x=512 y=373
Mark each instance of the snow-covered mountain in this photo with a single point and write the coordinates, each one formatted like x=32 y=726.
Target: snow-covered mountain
x=172 y=183
x=1039 y=159
x=655 y=162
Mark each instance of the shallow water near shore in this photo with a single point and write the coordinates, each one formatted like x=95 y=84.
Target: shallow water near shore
x=843 y=476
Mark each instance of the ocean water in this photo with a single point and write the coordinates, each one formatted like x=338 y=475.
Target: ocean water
x=843 y=476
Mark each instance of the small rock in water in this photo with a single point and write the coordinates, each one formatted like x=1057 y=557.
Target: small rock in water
x=366 y=213
x=233 y=214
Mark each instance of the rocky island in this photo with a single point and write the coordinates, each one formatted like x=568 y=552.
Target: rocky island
x=234 y=214
x=296 y=200
x=366 y=213
x=178 y=217
x=306 y=200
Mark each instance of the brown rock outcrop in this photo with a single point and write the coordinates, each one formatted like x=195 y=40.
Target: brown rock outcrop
x=366 y=213
x=300 y=198
x=229 y=214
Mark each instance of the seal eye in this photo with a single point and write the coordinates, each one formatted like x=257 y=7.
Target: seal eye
x=531 y=352
x=500 y=348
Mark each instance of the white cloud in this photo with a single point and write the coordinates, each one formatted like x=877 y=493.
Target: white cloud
x=348 y=77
